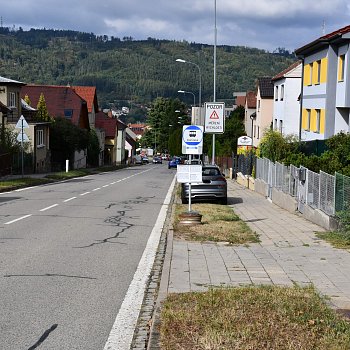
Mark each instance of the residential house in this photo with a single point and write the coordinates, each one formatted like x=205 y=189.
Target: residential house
x=110 y=126
x=64 y=102
x=130 y=144
x=249 y=112
x=325 y=96
x=37 y=156
x=138 y=128
x=88 y=93
x=264 y=109
x=121 y=141
x=286 y=105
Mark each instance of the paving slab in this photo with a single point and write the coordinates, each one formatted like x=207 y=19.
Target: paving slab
x=288 y=253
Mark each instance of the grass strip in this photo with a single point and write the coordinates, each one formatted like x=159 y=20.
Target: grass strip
x=337 y=239
x=252 y=317
x=219 y=224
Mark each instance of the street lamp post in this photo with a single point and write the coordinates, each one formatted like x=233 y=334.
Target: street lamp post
x=200 y=79
x=188 y=92
x=252 y=117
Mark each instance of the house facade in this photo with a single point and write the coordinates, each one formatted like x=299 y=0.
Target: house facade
x=264 y=109
x=88 y=93
x=325 y=97
x=64 y=102
x=286 y=102
x=249 y=112
x=37 y=153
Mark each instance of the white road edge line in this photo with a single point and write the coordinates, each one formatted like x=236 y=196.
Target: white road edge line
x=47 y=208
x=83 y=194
x=122 y=332
x=96 y=189
x=22 y=217
x=69 y=199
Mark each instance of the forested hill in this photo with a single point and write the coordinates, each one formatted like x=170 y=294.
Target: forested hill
x=126 y=69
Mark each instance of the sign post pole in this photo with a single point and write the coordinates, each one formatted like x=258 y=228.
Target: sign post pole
x=22 y=124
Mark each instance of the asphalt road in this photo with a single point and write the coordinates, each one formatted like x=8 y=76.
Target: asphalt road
x=68 y=253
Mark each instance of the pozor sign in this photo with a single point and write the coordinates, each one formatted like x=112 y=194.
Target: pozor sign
x=214 y=122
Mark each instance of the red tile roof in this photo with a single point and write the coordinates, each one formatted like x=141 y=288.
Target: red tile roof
x=284 y=72
x=323 y=41
x=88 y=93
x=59 y=101
x=109 y=125
x=251 y=99
x=240 y=100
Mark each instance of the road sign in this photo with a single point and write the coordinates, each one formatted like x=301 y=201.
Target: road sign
x=22 y=136
x=192 y=139
x=214 y=122
x=22 y=123
x=189 y=173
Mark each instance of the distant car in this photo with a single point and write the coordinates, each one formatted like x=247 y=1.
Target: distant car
x=157 y=160
x=145 y=160
x=193 y=161
x=174 y=162
x=138 y=159
x=212 y=188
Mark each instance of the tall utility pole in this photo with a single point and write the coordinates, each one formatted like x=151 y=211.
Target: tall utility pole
x=214 y=99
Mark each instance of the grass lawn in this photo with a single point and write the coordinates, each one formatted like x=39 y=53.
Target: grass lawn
x=242 y=318
x=337 y=239
x=219 y=224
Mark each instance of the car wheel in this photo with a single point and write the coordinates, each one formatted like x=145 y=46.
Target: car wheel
x=184 y=200
x=223 y=201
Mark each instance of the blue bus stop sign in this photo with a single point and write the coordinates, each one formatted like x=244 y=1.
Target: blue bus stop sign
x=192 y=139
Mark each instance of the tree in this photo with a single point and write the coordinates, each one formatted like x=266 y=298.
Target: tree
x=27 y=100
x=42 y=114
x=93 y=148
x=65 y=139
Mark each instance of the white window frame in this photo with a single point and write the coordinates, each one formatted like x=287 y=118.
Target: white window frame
x=40 y=138
x=308 y=125
x=276 y=93
x=12 y=99
x=282 y=93
x=318 y=120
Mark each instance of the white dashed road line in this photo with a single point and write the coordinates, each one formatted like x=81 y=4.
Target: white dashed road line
x=69 y=199
x=22 y=217
x=47 y=208
x=83 y=194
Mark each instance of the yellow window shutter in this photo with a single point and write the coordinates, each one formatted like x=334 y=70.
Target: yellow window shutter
x=322 y=121
x=304 y=119
x=306 y=75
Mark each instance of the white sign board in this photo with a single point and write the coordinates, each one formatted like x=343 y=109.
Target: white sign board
x=189 y=173
x=214 y=121
x=192 y=139
x=22 y=123
x=244 y=141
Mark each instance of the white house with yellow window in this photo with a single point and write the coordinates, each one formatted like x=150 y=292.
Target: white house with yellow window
x=325 y=96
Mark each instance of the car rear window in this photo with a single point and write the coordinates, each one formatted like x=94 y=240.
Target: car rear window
x=210 y=172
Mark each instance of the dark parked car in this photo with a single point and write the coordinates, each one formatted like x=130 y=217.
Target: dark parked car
x=212 y=187
x=145 y=160
x=174 y=162
x=157 y=160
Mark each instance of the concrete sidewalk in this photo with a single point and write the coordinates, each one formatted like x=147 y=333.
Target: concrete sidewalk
x=289 y=253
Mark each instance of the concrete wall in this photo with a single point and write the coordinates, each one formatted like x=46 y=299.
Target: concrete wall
x=284 y=200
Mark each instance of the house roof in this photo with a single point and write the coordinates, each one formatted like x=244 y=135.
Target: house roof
x=287 y=70
x=240 y=100
x=88 y=93
x=4 y=108
x=60 y=101
x=6 y=81
x=338 y=36
x=251 y=99
x=266 y=87
x=109 y=125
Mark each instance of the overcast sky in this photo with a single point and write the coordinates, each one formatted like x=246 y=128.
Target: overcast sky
x=264 y=24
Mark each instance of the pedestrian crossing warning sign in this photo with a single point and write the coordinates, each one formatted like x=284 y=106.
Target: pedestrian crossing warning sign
x=214 y=115
x=214 y=122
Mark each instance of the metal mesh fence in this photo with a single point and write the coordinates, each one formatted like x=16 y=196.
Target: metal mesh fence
x=293 y=181
x=313 y=188
x=327 y=193
x=323 y=191
x=342 y=192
